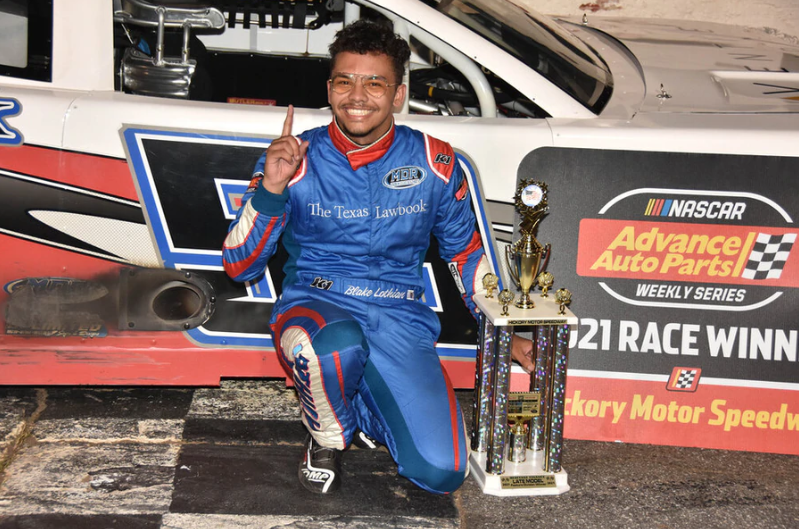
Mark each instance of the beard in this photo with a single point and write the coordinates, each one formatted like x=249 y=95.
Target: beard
x=364 y=133
x=357 y=135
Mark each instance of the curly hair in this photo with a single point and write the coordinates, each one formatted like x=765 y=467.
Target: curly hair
x=363 y=36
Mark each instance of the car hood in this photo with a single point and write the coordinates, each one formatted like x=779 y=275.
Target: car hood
x=706 y=67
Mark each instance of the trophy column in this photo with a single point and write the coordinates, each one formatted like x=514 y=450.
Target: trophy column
x=483 y=386
x=530 y=464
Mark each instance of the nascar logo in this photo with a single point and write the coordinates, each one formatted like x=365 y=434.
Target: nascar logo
x=696 y=209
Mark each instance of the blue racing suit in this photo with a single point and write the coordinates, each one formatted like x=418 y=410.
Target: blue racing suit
x=350 y=326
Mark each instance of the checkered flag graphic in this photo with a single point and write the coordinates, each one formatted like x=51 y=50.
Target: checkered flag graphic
x=684 y=379
x=769 y=255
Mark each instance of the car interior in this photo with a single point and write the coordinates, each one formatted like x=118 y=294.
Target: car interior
x=203 y=50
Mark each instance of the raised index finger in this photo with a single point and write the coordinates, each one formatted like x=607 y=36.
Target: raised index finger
x=289 y=121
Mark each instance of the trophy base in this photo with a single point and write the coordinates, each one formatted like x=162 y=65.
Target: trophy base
x=525 y=302
x=519 y=479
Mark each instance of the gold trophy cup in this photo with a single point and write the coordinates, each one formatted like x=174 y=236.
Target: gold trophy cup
x=526 y=258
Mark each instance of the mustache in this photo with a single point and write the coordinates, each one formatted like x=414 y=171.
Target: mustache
x=358 y=106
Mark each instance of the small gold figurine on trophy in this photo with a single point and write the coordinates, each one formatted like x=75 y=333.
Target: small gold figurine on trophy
x=526 y=258
x=563 y=296
x=505 y=297
x=545 y=281
x=490 y=282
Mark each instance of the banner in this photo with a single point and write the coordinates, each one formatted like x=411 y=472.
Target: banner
x=683 y=269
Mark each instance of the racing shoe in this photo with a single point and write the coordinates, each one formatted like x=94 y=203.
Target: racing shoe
x=364 y=442
x=320 y=468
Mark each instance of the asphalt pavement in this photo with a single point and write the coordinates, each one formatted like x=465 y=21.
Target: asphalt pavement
x=180 y=458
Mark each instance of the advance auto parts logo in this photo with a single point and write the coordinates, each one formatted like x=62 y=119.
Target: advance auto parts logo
x=681 y=262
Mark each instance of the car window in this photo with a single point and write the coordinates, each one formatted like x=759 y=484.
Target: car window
x=540 y=43
x=26 y=36
x=437 y=87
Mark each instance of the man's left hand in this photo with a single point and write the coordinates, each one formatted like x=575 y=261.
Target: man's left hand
x=521 y=350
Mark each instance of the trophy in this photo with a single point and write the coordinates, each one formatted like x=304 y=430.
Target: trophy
x=563 y=296
x=490 y=282
x=545 y=281
x=505 y=297
x=526 y=257
x=524 y=427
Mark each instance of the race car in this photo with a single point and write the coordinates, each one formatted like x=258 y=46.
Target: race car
x=128 y=134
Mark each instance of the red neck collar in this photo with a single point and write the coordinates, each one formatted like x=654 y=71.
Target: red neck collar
x=360 y=155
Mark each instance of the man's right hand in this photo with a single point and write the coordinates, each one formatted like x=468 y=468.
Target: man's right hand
x=522 y=351
x=283 y=157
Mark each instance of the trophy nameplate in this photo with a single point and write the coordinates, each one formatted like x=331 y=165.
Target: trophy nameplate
x=523 y=405
x=527 y=482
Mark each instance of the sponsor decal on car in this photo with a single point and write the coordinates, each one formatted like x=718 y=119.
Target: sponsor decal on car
x=9 y=136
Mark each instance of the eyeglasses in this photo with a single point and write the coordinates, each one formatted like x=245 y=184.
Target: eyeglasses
x=375 y=85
